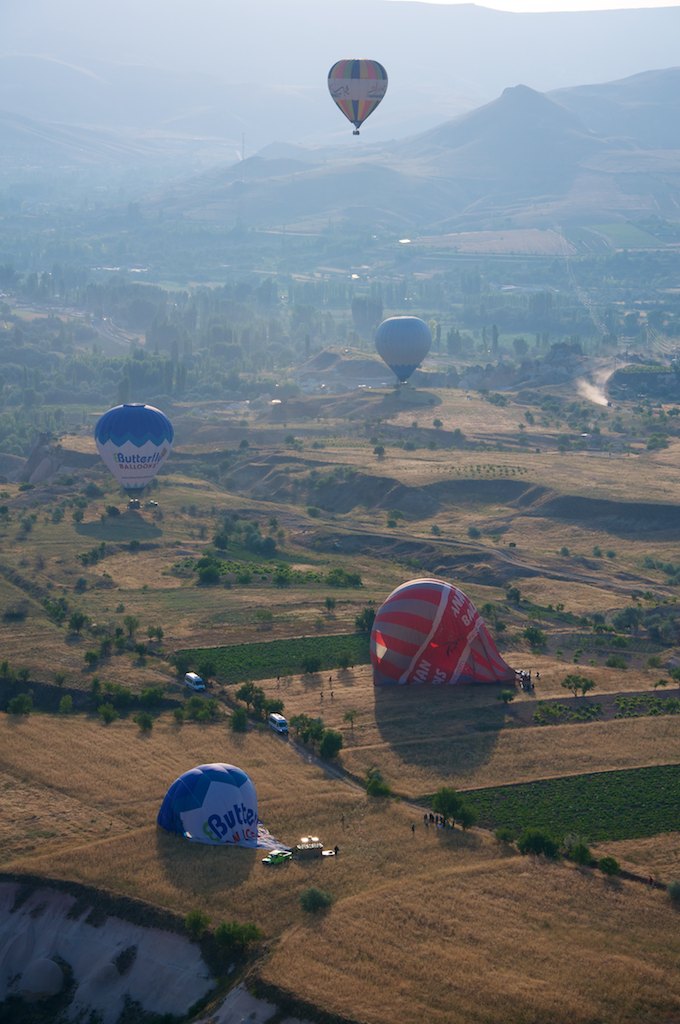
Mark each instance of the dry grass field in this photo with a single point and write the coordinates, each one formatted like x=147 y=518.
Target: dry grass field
x=422 y=739
x=446 y=926
x=433 y=926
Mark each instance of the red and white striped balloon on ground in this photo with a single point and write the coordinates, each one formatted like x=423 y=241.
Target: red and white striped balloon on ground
x=428 y=631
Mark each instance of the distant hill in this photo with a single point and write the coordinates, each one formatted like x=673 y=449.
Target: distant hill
x=644 y=108
x=526 y=159
x=257 y=68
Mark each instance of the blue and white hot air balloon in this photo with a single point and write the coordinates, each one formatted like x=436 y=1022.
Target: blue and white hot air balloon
x=134 y=441
x=214 y=804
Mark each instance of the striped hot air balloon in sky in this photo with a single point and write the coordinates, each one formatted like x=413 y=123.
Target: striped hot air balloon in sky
x=357 y=87
x=428 y=631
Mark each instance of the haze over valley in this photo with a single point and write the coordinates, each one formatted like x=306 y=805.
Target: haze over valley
x=339 y=629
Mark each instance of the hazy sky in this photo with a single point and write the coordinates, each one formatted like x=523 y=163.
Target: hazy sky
x=552 y=6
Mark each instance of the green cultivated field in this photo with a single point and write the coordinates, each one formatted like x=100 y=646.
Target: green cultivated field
x=284 y=657
x=604 y=806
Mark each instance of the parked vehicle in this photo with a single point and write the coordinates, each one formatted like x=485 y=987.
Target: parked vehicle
x=278 y=723
x=277 y=857
x=194 y=681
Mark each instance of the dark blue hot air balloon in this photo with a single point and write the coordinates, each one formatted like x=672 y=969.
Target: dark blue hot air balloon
x=134 y=441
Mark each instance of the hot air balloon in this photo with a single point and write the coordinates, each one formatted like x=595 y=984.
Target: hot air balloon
x=428 y=631
x=403 y=342
x=357 y=87
x=134 y=441
x=214 y=804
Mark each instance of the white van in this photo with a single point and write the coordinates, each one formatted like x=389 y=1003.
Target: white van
x=194 y=681
x=278 y=723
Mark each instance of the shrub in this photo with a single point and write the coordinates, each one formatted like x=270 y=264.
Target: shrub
x=375 y=784
x=235 y=938
x=144 y=720
x=22 y=704
x=609 y=866
x=577 y=849
x=16 y=612
x=107 y=713
x=66 y=704
x=534 y=841
x=535 y=636
x=311 y=663
x=504 y=834
x=674 y=893
x=196 y=923
x=239 y=720
x=314 y=900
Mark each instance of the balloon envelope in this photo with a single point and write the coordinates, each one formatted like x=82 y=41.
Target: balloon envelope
x=134 y=441
x=403 y=342
x=357 y=87
x=214 y=804
x=428 y=631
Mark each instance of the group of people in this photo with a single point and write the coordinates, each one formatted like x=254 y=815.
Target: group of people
x=438 y=820
x=525 y=680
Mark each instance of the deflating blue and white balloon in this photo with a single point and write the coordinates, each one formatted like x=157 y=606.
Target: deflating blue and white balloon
x=134 y=441
x=213 y=803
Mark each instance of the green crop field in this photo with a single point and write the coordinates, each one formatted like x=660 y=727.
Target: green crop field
x=241 y=662
x=605 y=806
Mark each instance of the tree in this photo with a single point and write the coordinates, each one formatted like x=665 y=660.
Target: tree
x=77 y=621
x=349 y=716
x=535 y=636
x=365 y=619
x=131 y=623
x=467 y=816
x=446 y=802
x=331 y=744
x=379 y=451
x=246 y=693
x=330 y=604
x=575 y=682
